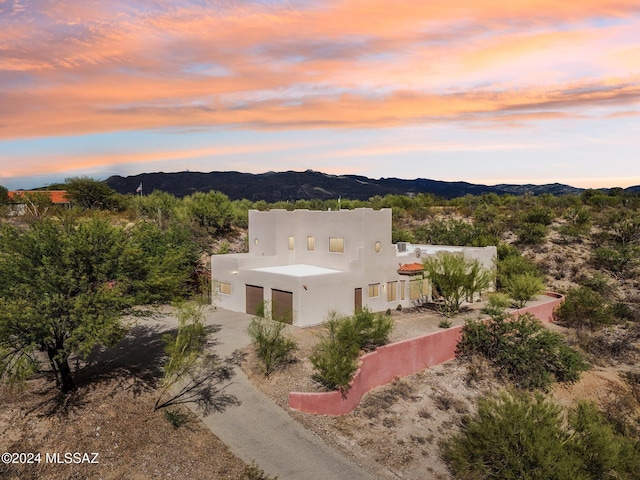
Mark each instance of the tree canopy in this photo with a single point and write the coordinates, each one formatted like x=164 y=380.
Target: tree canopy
x=65 y=284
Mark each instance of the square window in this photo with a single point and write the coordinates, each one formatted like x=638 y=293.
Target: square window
x=374 y=290
x=225 y=288
x=336 y=244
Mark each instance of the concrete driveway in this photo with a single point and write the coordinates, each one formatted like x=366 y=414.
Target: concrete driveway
x=259 y=430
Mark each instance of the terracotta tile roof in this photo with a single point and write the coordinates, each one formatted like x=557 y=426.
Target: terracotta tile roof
x=409 y=268
x=57 y=196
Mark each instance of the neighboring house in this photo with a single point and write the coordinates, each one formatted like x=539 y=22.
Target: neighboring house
x=22 y=201
x=306 y=264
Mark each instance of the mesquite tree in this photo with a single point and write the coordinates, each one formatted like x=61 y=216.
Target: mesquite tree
x=65 y=284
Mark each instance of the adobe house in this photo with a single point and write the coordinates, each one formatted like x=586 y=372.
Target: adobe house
x=305 y=264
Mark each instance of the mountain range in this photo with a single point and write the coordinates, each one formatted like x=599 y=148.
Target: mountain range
x=310 y=184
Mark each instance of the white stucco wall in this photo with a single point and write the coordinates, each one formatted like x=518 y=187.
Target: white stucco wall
x=316 y=293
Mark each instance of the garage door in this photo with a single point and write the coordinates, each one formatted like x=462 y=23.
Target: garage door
x=255 y=299
x=282 y=306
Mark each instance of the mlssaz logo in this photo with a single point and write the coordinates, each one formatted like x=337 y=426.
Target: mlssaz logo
x=71 y=457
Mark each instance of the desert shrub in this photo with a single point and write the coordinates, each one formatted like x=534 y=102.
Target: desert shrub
x=400 y=235
x=523 y=287
x=578 y=217
x=597 y=282
x=444 y=323
x=380 y=401
x=176 y=417
x=254 y=472
x=538 y=215
x=335 y=362
x=456 y=278
x=603 y=453
x=366 y=330
x=516 y=435
x=531 y=233
x=616 y=343
x=335 y=356
x=496 y=303
x=618 y=260
x=583 y=307
x=446 y=232
x=272 y=347
x=522 y=349
x=513 y=263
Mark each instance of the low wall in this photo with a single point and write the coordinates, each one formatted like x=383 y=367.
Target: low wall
x=400 y=359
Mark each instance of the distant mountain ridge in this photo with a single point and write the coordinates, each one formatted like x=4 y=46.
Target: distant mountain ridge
x=310 y=184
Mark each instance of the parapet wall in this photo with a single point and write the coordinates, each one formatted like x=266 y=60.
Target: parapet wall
x=400 y=359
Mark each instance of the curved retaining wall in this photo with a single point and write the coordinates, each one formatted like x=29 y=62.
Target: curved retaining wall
x=400 y=359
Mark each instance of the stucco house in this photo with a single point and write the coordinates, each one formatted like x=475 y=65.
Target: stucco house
x=305 y=264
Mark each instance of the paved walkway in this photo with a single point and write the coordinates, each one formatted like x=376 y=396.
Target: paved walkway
x=259 y=430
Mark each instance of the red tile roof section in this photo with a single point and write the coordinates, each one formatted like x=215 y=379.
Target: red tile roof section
x=408 y=268
x=57 y=196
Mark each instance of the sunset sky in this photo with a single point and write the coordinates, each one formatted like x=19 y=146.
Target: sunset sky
x=485 y=91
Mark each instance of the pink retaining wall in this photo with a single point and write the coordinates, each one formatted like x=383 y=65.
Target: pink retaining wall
x=399 y=359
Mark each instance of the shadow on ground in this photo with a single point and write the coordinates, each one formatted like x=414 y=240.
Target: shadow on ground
x=136 y=364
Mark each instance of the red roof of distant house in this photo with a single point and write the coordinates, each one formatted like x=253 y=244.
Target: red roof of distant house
x=57 y=196
x=409 y=268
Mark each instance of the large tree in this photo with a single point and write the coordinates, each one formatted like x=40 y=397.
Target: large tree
x=89 y=193
x=64 y=286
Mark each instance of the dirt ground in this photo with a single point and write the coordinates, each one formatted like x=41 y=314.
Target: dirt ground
x=111 y=414
x=113 y=420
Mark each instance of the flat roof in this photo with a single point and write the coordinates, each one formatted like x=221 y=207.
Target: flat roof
x=297 y=270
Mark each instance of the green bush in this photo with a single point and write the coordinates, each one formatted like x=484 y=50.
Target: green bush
x=516 y=435
x=618 y=260
x=531 y=233
x=456 y=279
x=510 y=263
x=272 y=346
x=496 y=303
x=335 y=363
x=583 y=307
x=539 y=215
x=522 y=349
x=523 y=287
x=335 y=356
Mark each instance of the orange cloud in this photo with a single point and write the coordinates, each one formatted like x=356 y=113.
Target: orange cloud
x=97 y=67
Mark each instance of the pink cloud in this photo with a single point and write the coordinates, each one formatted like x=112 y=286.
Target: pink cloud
x=108 y=66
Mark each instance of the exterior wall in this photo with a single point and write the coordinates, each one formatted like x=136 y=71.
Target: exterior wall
x=269 y=233
x=315 y=296
x=399 y=360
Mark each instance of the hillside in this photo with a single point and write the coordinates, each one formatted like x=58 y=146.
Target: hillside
x=291 y=186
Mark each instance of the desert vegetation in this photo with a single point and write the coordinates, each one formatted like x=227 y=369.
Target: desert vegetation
x=67 y=278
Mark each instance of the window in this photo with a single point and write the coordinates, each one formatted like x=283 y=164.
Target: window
x=377 y=247
x=336 y=244
x=225 y=288
x=392 y=289
x=402 y=289
x=417 y=288
x=311 y=243
x=292 y=243
x=374 y=290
